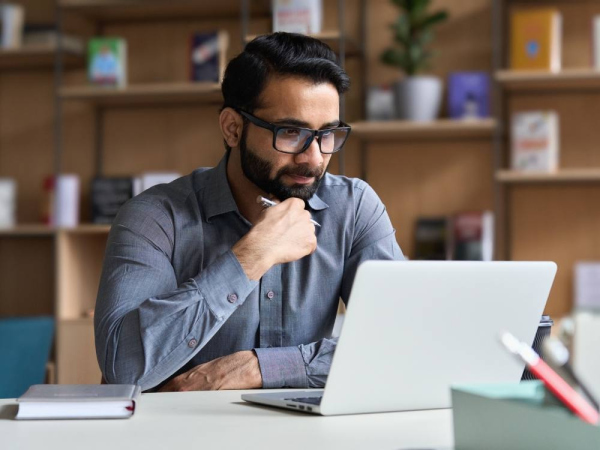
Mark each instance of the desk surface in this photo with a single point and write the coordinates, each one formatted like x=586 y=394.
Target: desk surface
x=207 y=420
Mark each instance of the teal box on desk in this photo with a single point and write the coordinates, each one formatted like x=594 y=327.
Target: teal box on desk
x=521 y=416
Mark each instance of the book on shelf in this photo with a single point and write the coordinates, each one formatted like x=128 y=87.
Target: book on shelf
x=8 y=202
x=468 y=95
x=472 y=236
x=62 y=197
x=587 y=285
x=536 y=39
x=298 y=16
x=12 y=21
x=108 y=194
x=596 y=42
x=208 y=56
x=535 y=141
x=107 y=61
x=432 y=238
x=78 y=401
x=150 y=179
x=50 y=37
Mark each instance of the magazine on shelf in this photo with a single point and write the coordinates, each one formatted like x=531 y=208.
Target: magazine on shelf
x=8 y=202
x=298 y=16
x=107 y=61
x=535 y=39
x=535 y=141
x=12 y=21
x=208 y=56
x=469 y=95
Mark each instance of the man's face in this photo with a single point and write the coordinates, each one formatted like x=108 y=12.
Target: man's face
x=294 y=102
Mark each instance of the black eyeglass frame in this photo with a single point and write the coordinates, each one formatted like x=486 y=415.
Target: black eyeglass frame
x=314 y=133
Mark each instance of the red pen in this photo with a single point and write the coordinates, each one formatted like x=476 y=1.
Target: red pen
x=553 y=381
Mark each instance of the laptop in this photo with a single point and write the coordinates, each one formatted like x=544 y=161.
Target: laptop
x=414 y=328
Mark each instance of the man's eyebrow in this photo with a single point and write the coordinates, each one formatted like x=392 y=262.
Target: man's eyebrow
x=300 y=123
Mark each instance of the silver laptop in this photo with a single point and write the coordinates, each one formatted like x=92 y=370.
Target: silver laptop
x=412 y=329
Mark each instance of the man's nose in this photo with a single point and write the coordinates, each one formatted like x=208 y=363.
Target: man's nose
x=312 y=156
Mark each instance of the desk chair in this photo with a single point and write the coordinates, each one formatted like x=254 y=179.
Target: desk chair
x=25 y=344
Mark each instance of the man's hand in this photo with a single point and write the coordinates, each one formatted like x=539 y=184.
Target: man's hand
x=284 y=233
x=237 y=371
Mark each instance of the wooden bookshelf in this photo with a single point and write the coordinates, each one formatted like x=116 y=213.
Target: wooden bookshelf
x=439 y=129
x=562 y=176
x=115 y=11
x=566 y=79
x=32 y=230
x=149 y=93
x=36 y=56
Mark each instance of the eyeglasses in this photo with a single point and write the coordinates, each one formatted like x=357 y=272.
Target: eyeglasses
x=287 y=139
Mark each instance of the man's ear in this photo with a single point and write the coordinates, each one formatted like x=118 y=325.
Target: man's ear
x=231 y=126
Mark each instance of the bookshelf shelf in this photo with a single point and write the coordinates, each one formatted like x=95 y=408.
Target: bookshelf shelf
x=36 y=56
x=88 y=228
x=331 y=38
x=33 y=230
x=562 y=176
x=567 y=79
x=150 y=93
x=158 y=10
x=439 y=129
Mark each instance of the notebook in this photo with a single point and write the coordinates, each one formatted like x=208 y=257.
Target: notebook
x=78 y=401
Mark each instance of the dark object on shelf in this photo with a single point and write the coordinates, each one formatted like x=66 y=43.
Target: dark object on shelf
x=431 y=238
x=108 y=195
x=543 y=332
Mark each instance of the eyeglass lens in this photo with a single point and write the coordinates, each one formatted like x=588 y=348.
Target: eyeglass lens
x=293 y=140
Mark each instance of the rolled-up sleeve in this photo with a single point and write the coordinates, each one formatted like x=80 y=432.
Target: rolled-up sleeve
x=146 y=325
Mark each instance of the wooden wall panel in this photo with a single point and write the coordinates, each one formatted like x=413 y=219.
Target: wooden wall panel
x=559 y=223
x=26 y=136
x=430 y=178
x=76 y=357
x=26 y=276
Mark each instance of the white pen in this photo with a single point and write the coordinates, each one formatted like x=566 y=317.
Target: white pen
x=268 y=203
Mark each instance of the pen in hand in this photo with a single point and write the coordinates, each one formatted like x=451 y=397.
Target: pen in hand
x=268 y=203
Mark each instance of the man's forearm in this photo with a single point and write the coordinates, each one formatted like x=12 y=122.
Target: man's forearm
x=148 y=343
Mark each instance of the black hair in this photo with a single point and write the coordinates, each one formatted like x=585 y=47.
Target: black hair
x=279 y=54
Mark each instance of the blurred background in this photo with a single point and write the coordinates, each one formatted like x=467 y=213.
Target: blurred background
x=474 y=121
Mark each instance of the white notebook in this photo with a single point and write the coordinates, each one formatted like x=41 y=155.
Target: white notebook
x=78 y=401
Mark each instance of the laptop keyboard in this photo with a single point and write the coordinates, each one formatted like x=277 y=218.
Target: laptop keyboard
x=309 y=400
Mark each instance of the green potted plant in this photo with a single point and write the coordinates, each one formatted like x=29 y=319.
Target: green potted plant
x=418 y=97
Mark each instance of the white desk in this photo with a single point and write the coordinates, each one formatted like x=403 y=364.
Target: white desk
x=221 y=420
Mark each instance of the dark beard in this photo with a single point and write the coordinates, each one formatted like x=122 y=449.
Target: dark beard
x=257 y=170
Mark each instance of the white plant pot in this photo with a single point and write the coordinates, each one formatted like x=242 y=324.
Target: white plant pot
x=418 y=98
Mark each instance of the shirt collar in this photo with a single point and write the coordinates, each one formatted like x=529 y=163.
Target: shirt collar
x=219 y=199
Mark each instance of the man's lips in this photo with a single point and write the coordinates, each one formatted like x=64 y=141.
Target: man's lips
x=301 y=180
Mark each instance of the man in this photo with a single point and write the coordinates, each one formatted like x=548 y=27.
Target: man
x=202 y=287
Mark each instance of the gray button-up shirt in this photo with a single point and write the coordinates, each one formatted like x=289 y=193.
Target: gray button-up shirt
x=173 y=295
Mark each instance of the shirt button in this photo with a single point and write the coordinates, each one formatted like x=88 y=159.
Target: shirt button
x=232 y=298
x=270 y=294
x=192 y=343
